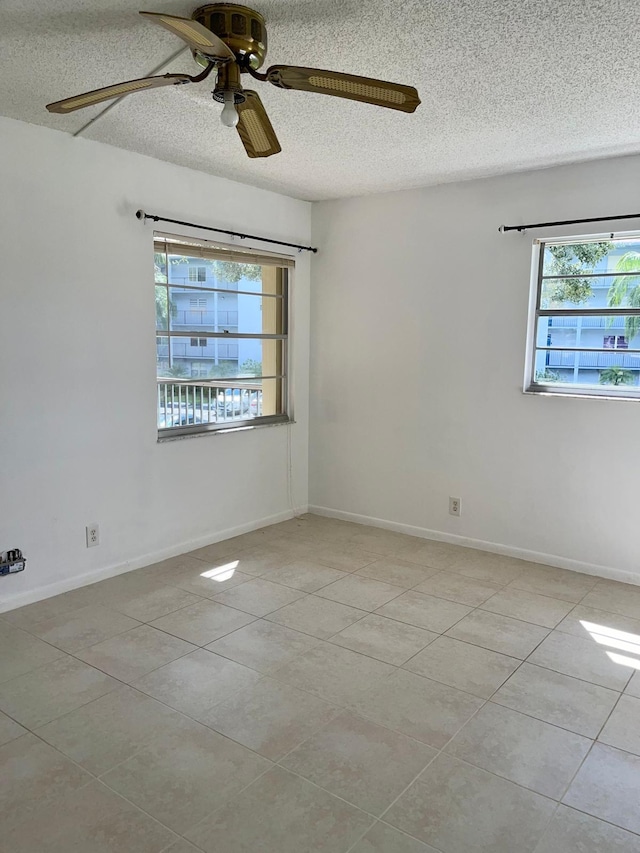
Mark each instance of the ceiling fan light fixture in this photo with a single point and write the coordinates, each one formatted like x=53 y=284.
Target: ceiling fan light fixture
x=229 y=115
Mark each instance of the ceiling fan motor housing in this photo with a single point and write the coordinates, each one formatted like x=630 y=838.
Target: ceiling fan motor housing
x=240 y=28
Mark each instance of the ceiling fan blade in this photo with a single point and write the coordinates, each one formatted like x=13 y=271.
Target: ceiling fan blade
x=255 y=130
x=366 y=89
x=194 y=34
x=96 y=96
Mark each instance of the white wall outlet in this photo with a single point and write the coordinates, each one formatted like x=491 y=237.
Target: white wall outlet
x=455 y=506
x=93 y=535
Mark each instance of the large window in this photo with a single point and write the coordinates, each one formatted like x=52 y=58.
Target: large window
x=585 y=325
x=222 y=354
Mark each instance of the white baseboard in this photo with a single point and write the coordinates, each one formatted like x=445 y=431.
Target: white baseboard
x=493 y=547
x=68 y=584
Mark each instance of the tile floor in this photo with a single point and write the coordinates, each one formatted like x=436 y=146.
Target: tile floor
x=324 y=686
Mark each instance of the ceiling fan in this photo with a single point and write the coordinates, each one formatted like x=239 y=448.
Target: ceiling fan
x=233 y=40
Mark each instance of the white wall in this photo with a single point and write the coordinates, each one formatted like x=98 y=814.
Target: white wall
x=77 y=366
x=419 y=316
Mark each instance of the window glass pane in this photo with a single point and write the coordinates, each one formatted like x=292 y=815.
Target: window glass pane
x=584 y=369
x=591 y=257
x=231 y=312
x=620 y=291
x=223 y=275
x=597 y=332
x=162 y=308
x=213 y=358
x=186 y=404
x=160 y=264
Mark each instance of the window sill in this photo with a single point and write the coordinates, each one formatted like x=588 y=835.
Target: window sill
x=582 y=394
x=204 y=433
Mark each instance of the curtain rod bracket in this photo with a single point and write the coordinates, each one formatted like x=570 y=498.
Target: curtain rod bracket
x=143 y=216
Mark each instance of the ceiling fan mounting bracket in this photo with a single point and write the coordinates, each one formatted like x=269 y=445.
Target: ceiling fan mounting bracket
x=243 y=30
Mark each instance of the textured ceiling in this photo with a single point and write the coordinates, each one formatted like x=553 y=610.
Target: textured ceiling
x=505 y=85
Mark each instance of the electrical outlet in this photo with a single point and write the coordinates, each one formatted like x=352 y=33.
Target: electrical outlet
x=93 y=535
x=455 y=506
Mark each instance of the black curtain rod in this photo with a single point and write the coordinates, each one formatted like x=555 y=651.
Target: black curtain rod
x=140 y=214
x=504 y=228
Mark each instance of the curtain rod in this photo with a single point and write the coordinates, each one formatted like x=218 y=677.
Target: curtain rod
x=140 y=214
x=504 y=228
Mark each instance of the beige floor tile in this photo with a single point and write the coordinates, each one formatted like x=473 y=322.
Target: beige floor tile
x=418 y=707
x=585 y=659
x=360 y=592
x=534 y=754
x=21 y=652
x=424 y=611
x=574 y=832
x=203 y=622
x=152 y=604
x=499 y=633
x=9 y=729
x=92 y=820
x=575 y=705
x=384 y=639
x=607 y=786
x=263 y=646
x=183 y=776
x=345 y=557
x=209 y=580
x=397 y=572
x=107 y=731
x=622 y=729
x=528 y=606
x=259 y=597
x=558 y=583
x=306 y=575
x=82 y=628
x=622 y=598
x=49 y=608
x=49 y=692
x=334 y=674
x=261 y=560
x=182 y=846
x=33 y=774
x=171 y=567
x=459 y=808
x=317 y=616
x=271 y=718
x=633 y=687
x=194 y=683
x=379 y=541
x=458 y=588
x=281 y=812
x=470 y=668
x=583 y=622
x=493 y=568
x=131 y=655
x=230 y=548
x=437 y=555
x=385 y=839
x=360 y=761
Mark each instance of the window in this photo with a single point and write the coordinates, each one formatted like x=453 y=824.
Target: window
x=585 y=318
x=237 y=377
x=197 y=273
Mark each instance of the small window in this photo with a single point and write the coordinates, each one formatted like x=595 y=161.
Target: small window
x=237 y=375
x=197 y=273
x=585 y=318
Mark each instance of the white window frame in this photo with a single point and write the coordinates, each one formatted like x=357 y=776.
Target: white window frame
x=559 y=389
x=217 y=385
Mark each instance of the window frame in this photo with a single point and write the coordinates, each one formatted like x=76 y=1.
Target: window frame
x=559 y=389
x=229 y=385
